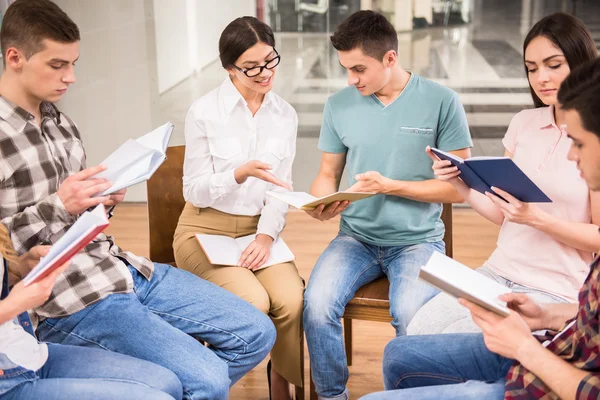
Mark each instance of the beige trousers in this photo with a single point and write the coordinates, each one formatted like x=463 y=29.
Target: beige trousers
x=277 y=290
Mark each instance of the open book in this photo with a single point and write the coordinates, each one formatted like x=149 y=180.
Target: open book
x=461 y=281
x=480 y=173
x=305 y=201
x=136 y=160
x=223 y=250
x=82 y=232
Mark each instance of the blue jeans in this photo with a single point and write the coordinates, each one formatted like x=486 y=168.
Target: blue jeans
x=345 y=266
x=160 y=322
x=78 y=373
x=449 y=367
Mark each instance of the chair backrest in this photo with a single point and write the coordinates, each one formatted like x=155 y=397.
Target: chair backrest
x=447 y=219
x=165 y=203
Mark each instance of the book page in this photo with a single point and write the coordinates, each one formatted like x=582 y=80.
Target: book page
x=158 y=139
x=459 y=280
x=338 y=196
x=444 y=155
x=296 y=199
x=220 y=250
x=280 y=252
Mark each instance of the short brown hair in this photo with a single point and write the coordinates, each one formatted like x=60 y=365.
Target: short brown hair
x=580 y=91
x=27 y=23
x=366 y=30
x=241 y=34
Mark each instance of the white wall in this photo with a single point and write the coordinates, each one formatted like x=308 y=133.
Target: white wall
x=173 y=62
x=115 y=96
x=187 y=35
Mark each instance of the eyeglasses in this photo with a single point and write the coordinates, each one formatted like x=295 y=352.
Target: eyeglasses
x=255 y=71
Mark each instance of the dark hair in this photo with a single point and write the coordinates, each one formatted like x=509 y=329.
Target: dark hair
x=567 y=33
x=580 y=91
x=241 y=34
x=370 y=31
x=27 y=23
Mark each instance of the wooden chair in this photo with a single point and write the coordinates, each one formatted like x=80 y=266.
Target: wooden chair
x=371 y=302
x=165 y=203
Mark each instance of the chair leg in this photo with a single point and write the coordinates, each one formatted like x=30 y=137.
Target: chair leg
x=298 y=393
x=299 y=390
x=348 y=339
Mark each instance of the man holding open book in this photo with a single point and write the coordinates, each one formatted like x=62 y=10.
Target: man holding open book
x=377 y=128
x=107 y=298
x=507 y=361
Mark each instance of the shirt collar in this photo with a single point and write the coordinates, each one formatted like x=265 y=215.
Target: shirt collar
x=547 y=117
x=18 y=117
x=231 y=97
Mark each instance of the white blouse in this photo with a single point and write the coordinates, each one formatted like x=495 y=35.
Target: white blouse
x=17 y=347
x=220 y=135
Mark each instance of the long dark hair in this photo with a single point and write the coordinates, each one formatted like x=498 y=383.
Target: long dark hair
x=570 y=35
x=241 y=34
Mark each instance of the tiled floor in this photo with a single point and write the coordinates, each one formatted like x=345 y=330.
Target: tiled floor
x=481 y=61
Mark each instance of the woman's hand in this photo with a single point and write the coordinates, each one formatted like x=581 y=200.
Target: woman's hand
x=22 y=298
x=257 y=253
x=515 y=210
x=443 y=169
x=259 y=170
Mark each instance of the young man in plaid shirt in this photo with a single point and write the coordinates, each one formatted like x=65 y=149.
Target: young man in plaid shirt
x=507 y=361
x=107 y=298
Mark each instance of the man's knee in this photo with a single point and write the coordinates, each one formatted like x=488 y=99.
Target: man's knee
x=214 y=383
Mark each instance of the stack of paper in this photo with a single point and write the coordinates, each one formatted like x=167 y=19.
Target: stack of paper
x=82 y=232
x=305 y=201
x=136 y=160
x=461 y=281
x=223 y=250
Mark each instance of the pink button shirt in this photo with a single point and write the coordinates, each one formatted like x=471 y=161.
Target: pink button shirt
x=524 y=254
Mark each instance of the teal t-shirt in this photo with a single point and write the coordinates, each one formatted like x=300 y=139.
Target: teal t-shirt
x=392 y=140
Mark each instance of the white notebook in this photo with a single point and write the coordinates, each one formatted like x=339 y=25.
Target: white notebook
x=223 y=250
x=82 y=232
x=136 y=160
x=461 y=281
x=305 y=201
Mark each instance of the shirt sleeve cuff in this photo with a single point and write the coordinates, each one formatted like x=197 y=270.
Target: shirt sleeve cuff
x=228 y=182
x=56 y=212
x=589 y=388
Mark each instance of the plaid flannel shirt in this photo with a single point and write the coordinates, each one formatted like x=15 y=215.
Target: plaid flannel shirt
x=579 y=345
x=34 y=162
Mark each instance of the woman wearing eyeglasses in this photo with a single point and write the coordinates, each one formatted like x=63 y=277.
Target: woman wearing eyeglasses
x=240 y=143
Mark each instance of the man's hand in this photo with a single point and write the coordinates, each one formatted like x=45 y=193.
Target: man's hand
x=323 y=213
x=77 y=191
x=22 y=298
x=115 y=198
x=257 y=253
x=532 y=313
x=506 y=336
x=259 y=170
x=371 y=181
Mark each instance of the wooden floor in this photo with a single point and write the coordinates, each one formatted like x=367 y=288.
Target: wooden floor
x=474 y=240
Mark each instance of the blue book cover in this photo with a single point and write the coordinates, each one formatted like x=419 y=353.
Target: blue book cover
x=480 y=173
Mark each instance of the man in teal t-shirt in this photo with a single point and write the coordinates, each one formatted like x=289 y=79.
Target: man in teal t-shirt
x=378 y=128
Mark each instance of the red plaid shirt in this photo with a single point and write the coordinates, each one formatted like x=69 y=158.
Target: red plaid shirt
x=579 y=345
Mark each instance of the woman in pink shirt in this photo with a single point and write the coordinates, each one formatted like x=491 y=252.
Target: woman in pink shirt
x=543 y=249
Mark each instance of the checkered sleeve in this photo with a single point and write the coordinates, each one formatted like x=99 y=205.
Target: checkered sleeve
x=37 y=224
x=589 y=387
